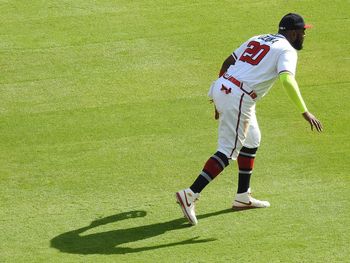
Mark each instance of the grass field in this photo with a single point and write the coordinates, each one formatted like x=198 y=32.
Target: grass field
x=104 y=116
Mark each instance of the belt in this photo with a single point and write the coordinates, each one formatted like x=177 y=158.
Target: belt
x=239 y=84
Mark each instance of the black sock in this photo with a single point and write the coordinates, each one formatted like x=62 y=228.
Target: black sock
x=199 y=184
x=245 y=162
x=243 y=183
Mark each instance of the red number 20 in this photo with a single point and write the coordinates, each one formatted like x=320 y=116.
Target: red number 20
x=254 y=53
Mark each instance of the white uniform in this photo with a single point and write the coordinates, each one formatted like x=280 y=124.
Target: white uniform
x=258 y=63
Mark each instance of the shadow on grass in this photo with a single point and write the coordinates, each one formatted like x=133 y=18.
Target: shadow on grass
x=110 y=242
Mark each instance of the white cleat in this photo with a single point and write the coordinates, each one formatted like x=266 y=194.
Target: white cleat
x=186 y=199
x=246 y=201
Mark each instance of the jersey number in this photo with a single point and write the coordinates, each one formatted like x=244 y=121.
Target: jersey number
x=254 y=53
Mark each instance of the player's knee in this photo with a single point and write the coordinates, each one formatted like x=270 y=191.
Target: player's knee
x=249 y=150
x=222 y=157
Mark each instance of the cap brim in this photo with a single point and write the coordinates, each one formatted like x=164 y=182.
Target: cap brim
x=308 y=26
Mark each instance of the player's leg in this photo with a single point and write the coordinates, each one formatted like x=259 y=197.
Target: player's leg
x=186 y=198
x=212 y=168
x=245 y=161
x=246 y=157
x=228 y=108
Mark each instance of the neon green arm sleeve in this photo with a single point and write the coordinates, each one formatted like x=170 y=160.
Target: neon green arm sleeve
x=291 y=86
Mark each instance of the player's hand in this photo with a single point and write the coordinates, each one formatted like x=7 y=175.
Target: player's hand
x=217 y=115
x=314 y=122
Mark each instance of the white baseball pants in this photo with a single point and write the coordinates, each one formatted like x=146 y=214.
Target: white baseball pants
x=238 y=125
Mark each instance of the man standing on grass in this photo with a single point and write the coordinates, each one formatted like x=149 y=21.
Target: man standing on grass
x=245 y=77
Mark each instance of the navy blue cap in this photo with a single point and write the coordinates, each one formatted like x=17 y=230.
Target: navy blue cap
x=292 y=21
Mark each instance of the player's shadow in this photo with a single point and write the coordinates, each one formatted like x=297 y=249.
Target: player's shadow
x=111 y=242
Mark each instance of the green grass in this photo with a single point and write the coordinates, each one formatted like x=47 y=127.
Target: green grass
x=104 y=115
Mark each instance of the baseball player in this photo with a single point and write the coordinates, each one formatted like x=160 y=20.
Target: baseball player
x=245 y=77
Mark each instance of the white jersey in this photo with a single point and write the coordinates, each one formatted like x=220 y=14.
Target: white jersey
x=261 y=59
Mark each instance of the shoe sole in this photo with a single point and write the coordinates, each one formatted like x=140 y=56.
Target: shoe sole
x=184 y=211
x=240 y=208
x=245 y=207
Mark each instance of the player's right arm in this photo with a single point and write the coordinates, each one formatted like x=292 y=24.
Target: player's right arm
x=230 y=60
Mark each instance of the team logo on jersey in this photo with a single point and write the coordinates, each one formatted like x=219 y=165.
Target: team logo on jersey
x=225 y=89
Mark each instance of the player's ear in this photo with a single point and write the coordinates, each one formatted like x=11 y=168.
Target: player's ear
x=294 y=35
x=291 y=35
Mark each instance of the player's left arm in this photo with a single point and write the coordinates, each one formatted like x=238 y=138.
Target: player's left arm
x=291 y=86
